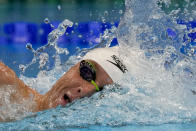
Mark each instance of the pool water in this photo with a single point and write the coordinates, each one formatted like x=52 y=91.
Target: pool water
x=18 y=34
x=158 y=37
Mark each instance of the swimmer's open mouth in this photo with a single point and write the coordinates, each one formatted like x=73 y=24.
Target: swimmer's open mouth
x=66 y=98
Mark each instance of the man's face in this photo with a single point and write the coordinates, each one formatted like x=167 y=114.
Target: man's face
x=72 y=86
x=76 y=87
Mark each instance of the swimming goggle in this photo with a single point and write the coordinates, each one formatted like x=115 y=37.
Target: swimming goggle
x=88 y=72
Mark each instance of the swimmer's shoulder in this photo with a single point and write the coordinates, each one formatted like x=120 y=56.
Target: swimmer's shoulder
x=7 y=75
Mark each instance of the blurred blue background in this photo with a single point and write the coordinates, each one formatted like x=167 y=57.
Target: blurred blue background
x=30 y=21
x=23 y=21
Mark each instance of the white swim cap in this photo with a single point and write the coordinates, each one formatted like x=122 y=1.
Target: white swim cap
x=109 y=60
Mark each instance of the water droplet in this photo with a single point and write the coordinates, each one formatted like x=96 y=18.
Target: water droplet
x=192 y=50
x=52 y=41
x=80 y=36
x=46 y=21
x=51 y=25
x=29 y=46
x=191 y=19
x=103 y=19
x=22 y=67
x=43 y=59
x=106 y=13
x=59 y=7
x=120 y=11
x=66 y=52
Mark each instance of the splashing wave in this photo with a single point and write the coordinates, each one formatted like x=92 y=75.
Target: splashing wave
x=158 y=90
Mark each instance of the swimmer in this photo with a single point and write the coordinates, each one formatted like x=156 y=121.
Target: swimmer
x=98 y=68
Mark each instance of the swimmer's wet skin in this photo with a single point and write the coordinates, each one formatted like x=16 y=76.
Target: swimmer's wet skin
x=83 y=79
x=99 y=67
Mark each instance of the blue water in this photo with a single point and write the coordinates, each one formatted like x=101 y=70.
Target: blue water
x=159 y=39
x=163 y=127
x=18 y=34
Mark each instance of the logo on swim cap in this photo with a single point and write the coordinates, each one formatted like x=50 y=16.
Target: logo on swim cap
x=118 y=63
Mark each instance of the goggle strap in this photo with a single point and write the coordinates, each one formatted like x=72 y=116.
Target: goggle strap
x=96 y=86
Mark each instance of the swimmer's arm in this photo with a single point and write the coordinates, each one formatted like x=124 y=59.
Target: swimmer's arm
x=9 y=77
